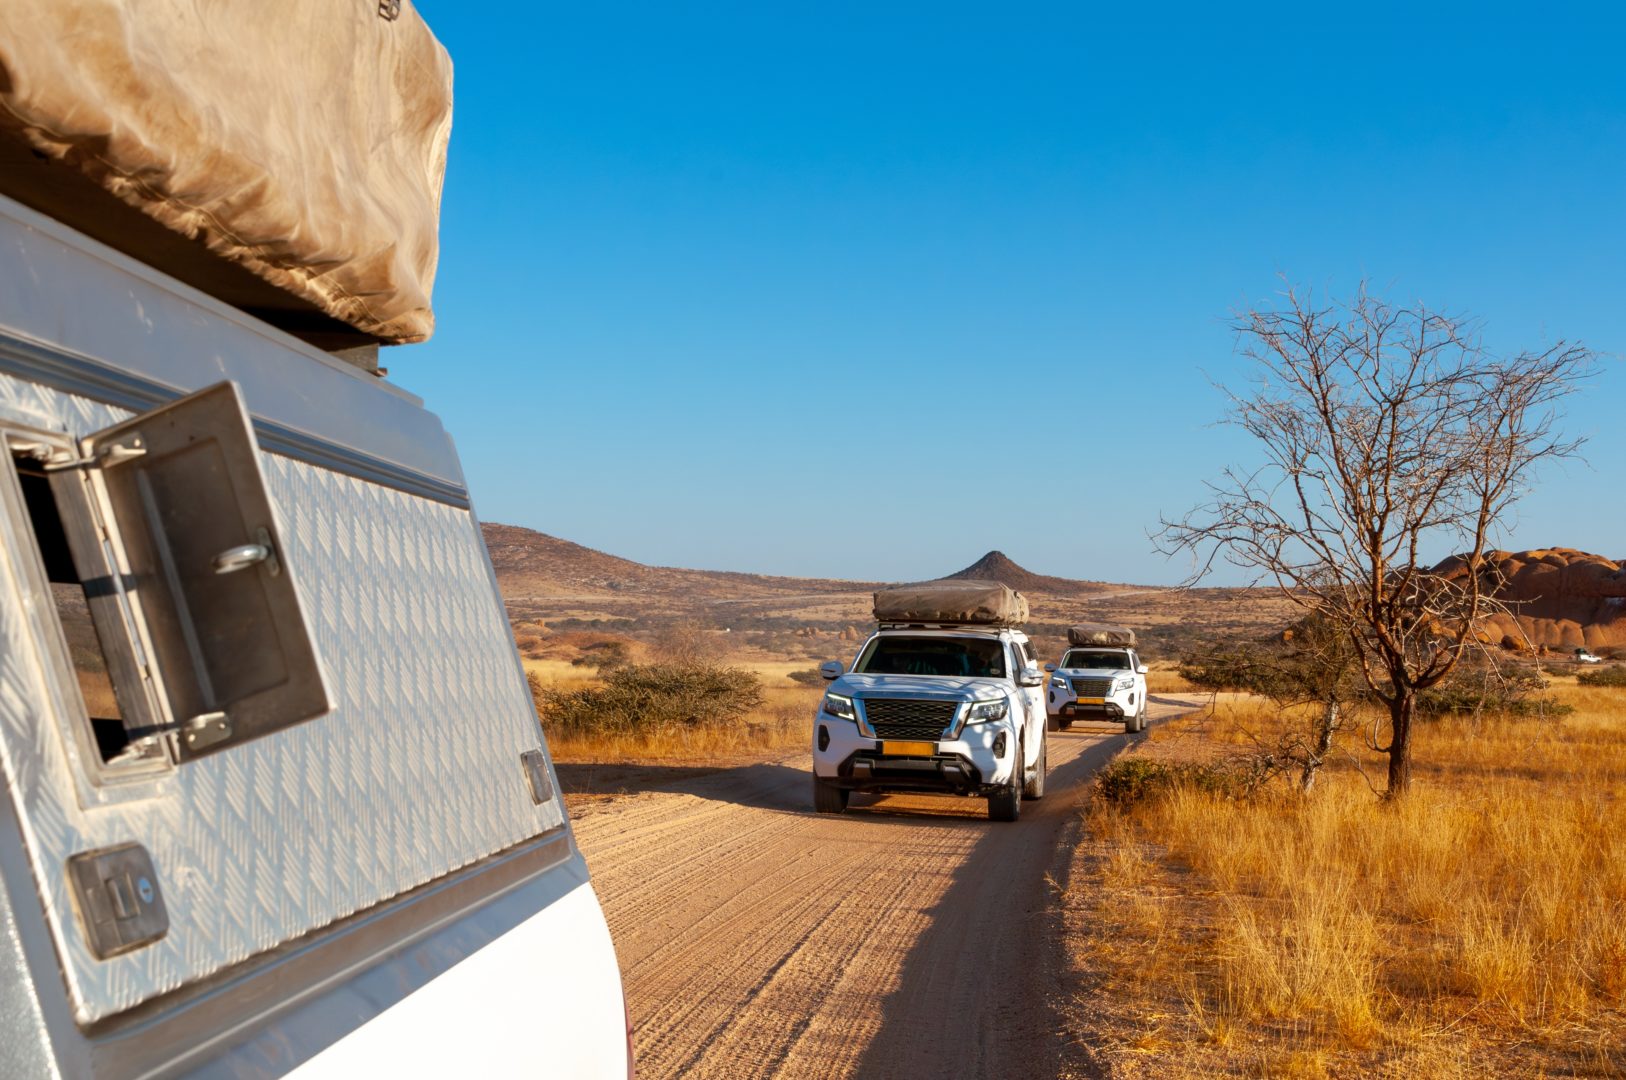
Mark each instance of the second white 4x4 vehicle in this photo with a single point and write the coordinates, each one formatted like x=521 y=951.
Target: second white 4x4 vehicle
x=1100 y=677
x=946 y=697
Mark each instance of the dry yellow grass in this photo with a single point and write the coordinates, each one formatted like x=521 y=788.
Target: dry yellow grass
x=1477 y=927
x=561 y=674
x=1164 y=678
x=782 y=723
x=776 y=673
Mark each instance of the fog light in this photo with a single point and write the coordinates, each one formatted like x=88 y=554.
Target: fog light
x=999 y=745
x=824 y=738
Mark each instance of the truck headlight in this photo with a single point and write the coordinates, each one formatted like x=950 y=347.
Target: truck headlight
x=840 y=706
x=1127 y=683
x=1061 y=685
x=984 y=711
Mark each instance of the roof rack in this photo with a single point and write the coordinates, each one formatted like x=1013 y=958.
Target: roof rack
x=979 y=627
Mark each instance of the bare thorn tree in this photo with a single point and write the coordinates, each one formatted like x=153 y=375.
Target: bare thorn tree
x=1389 y=435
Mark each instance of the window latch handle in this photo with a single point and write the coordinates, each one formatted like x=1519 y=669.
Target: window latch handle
x=241 y=557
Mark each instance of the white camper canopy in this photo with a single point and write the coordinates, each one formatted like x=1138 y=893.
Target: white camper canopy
x=302 y=140
x=974 y=603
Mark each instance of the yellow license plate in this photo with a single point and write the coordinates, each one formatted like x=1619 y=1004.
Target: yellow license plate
x=908 y=749
x=1092 y=701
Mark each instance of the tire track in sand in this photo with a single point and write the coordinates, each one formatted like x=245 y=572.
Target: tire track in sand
x=901 y=939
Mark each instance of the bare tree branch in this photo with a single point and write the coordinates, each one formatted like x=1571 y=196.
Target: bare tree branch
x=1388 y=435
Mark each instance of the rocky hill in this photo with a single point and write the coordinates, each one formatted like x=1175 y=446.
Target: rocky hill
x=997 y=566
x=568 y=587
x=534 y=564
x=530 y=563
x=1560 y=598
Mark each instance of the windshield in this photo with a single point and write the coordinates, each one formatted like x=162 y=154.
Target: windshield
x=1095 y=658
x=982 y=658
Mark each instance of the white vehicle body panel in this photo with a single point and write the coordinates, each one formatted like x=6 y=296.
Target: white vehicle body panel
x=405 y=811
x=482 y=1004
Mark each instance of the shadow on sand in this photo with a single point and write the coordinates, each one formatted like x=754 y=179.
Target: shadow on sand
x=766 y=786
x=984 y=957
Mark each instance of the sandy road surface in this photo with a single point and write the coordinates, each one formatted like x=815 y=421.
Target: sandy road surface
x=905 y=938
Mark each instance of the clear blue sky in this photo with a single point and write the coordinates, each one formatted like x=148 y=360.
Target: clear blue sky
x=867 y=290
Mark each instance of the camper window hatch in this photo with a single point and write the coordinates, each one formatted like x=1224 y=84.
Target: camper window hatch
x=188 y=502
x=178 y=614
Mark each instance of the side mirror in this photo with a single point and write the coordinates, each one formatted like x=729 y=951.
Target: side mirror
x=1141 y=669
x=1030 y=677
x=832 y=669
x=1050 y=667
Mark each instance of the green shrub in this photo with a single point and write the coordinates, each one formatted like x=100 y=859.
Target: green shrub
x=1481 y=691
x=650 y=698
x=1613 y=675
x=602 y=655
x=807 y=677
x=1131 y=780
x=1243 y=668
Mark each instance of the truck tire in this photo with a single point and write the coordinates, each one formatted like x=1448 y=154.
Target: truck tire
x=829 y=799
x=1064 y=722
x=1052 y=723
x=1034 y=787
x=1006 y=803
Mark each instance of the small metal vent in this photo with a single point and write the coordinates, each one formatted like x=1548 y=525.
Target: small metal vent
x=908 y=718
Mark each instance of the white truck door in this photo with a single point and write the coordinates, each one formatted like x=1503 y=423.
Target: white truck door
x=1032 y=698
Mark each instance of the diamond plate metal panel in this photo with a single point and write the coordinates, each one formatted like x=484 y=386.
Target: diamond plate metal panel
x=415 y=774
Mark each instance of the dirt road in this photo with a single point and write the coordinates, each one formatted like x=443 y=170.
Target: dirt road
x=906 y=938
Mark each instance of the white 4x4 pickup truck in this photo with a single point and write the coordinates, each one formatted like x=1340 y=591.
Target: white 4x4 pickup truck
x=1100 y=678
x=954 y=706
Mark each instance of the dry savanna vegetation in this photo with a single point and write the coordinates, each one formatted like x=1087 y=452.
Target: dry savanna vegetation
x=1224 y=923
x=686 y=696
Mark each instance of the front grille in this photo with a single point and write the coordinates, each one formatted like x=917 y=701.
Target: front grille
x=1092 y=687
x=907 y=718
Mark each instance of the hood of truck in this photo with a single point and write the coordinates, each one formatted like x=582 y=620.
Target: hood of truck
x=930 y=687
x=1094 y=672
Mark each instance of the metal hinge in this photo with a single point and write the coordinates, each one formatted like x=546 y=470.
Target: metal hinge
x=114 y=453
x=205 y=729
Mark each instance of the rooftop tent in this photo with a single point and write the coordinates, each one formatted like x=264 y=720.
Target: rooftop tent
x=1101 y=634
x=979 y=603
x=284 y=157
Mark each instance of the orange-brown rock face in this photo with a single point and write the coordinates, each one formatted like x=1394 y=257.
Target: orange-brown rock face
x=1561 y=598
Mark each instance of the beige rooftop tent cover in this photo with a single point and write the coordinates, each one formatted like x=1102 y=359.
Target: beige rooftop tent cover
x=1101 y=634
x=984 y=603
x=302 y=139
